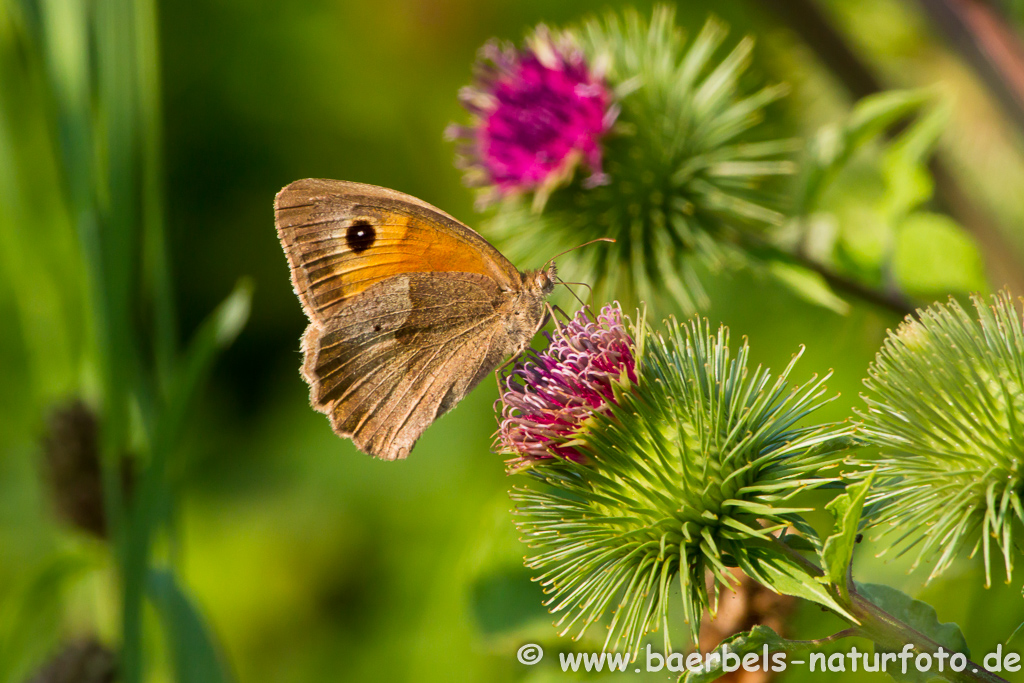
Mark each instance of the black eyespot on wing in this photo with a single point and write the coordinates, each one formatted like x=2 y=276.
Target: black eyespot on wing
x=377 y=327
x=360 y=236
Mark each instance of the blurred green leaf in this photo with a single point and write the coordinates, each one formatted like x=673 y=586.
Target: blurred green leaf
x=833 y=146
x=195 y=656
x=921 y=617
x=869 y=177
x=904 y=167
x=807 y=285
x=865 y=240
x=506 y=599
x=216 y=332
x=934 y=255
x=30 y=615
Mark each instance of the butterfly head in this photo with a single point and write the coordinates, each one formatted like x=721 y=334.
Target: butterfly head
x=542 y=281
x=529 y=313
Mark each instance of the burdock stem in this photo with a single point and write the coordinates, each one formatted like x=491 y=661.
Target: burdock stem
x=885 y=630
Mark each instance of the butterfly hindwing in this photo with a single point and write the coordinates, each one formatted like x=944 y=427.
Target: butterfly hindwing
x=402 y=353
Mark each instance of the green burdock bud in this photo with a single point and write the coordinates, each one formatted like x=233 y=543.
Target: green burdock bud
x=71 y=466
x=946 y=407
x=657 y=457
x=72 y=470
x=663 y=128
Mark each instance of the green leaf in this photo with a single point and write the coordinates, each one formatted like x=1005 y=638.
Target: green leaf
x=785 y=574
x=195 y=656
x=833 y=146
x=908 y=181
x=918 y=615
x=934 y=254
x=506 y=600
x=874 y=114
x=757 y=640
x=807 y=285
x=216 y=332
x=30 y=615
x=837 y=552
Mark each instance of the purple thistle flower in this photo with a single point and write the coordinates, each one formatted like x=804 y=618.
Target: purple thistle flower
x=549 y=394
x=538 y=112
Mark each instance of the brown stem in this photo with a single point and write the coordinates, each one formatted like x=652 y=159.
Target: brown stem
x=988 y=43
x=890 y=300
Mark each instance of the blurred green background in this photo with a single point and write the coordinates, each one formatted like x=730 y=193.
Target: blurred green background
x=309 y=560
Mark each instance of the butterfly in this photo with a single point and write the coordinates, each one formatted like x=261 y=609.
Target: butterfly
x=408 y=308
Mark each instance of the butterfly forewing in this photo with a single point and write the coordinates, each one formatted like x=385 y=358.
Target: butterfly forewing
x=341 y=238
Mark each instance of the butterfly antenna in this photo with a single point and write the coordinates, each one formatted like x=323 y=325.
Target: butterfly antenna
x=599 y=239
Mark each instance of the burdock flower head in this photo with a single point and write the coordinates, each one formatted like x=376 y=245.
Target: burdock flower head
x=682 y=179
x=538 y=112
x=656 y=457
x=946 y=408
x=550 y=395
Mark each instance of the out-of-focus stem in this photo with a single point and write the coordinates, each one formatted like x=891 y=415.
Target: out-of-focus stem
x=156 y=252
x=890 y=300
x=893 y=301
x=987 y=42
x=808 y=21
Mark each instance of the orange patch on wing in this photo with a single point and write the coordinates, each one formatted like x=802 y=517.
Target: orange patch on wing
x=327 y=270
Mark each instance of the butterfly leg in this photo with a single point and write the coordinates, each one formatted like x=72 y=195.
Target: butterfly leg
x=501 y=368
x=590 y=291
x=550 y=315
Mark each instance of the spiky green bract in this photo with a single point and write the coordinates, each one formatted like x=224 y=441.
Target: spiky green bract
x=691 y=468
x=682 y=176
x=946 y=408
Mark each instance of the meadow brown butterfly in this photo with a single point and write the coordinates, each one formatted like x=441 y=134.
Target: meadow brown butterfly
x=408 y=308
